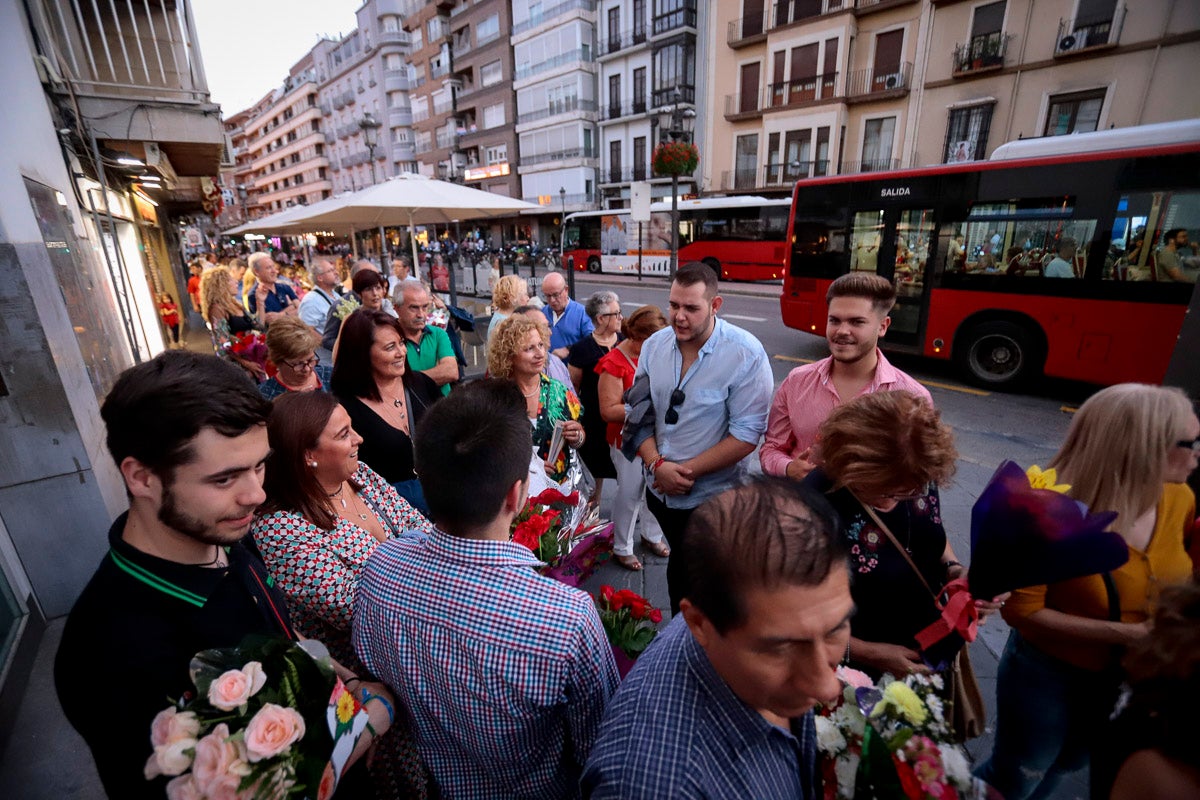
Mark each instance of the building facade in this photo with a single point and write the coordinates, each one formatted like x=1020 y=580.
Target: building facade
x=555 y=85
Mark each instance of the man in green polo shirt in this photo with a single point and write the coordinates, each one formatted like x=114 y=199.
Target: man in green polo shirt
x=429 y=349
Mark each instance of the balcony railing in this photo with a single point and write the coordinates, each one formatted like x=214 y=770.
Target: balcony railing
x=445 y=139
x=552 y=12
x=570 y=56
x=1076 y=37
x=325 y=108
x=618 y=175
x=393 y=37
x=125 y=50
x=745 y=29
x=784 y=174
x=400 y=117
x=564 y=106
x=438 y=70
x=742 y=104
x=615 y=42
x=559 y=155
x=422 y=146
x=801 y=90
x=666 y=97
x=871 y=165
x=617 y=110
x=461 y=45
x=395 y=80
x=683 y=17
x=984 y=52
x=867 y=82
x=867 y=6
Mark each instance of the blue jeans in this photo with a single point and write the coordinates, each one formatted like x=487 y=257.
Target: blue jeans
x=1047 y=713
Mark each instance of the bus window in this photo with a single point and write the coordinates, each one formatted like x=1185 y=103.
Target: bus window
x=1176 y=259
x=865 y=238
x=914 y=238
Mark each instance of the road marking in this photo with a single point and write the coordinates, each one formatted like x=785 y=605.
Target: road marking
x=633 y=305
x=948 y=386
x=744 y=319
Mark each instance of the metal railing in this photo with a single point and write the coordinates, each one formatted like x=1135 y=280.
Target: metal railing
x=616 y=110
x=146 y=49
x=560 y=155
x=873 y=165
x=579 y=54
x=400 y=117
x=564 y=106
x=870 y=5
x=610 y=175
x=395 y=80
x=866 y=82
x=782 y=174
x=983 y=52
x=1073 y=37
x=614 y=41
x=802 y=90
x=676 y=18
x=777 y=15
x=666 y=97
x=552 y=12
x=393 y=37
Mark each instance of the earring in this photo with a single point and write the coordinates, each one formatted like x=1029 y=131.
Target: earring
x=312 y=464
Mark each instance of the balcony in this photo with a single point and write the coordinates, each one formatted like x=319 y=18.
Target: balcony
x=443 y=107
x=869 y=84
x=445 y=139
x=559 y=60
x=438 y=70
x=559 y=155
x=395 y=80
x=872 y=165
x=348 y=97
x=422 y=146
x=552 y=12
x=666 y=97
x=338 y=103
x=325 y=108
x=564 y=106
x=609 y=175
x=400 y=117
x=675 y=20
x=801 y=90
x=784 y=175
x=742 y=106
x=984 y=53
x=864 y=7
x=615 y=42
x=461 y=45
x=753 y=28
x=1080 y=37
x=393 y=37
x=617 y=110
x=330 y=137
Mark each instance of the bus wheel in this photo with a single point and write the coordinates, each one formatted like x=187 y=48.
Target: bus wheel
x=593 y=265
x=997 y=355
x=715 y=266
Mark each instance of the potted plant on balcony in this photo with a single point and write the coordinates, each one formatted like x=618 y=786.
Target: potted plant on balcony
x=675 y=158
x=991 y=52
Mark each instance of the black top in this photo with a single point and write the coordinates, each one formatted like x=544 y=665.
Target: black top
x=584 y=355
x=892 y=603
x=385 y=449
x=242 y=324
x=128 y=642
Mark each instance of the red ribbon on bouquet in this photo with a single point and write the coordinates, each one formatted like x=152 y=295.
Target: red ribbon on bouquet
x=959 y=615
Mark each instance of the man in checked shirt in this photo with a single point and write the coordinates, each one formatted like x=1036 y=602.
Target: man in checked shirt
x=720 y=704
x=504 y=673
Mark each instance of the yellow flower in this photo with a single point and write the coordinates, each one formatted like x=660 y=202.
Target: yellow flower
x=1047 y=479
x=345 y=708
x=899 y=696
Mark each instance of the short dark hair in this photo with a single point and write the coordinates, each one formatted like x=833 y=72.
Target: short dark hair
x=352 y=375
x=156 y=409
x=1170 y=235
x=766 y=533
x=695 y=272
x=867 y=285
x=366 y=279
x=469 y=449
x=296 y=423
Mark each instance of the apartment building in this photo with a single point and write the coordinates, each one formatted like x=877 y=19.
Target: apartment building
x=236 y=175
x=364 y=80
x=1000 y=71
x=648 y=53
x=555 y=86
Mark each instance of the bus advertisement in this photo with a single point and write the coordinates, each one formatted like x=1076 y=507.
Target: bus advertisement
x=740 y=238
x=1074 y=265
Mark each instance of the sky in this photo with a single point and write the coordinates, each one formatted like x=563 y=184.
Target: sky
x=248 y=46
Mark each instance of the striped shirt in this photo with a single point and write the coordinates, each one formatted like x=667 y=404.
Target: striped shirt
x=676 y=730
x=504 y=673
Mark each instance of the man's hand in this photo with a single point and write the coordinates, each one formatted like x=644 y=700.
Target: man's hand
x=673 y=479
x=896 y=659
x=799 y=467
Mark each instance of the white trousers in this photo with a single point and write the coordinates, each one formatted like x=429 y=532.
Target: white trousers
x=629 y=504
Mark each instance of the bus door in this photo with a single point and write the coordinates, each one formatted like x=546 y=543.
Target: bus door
x=895 y=243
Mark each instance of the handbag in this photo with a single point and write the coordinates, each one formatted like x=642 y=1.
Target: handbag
x=967 y=713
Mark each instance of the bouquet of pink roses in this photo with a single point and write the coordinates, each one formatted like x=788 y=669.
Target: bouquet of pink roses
x=269 y=719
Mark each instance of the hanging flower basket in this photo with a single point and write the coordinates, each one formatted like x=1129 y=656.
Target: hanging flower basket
x=676 y=158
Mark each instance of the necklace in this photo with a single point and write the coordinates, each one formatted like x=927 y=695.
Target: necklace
x=342 y=500
x=216 y=559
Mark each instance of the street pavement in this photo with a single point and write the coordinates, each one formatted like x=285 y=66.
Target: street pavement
x=45 y=758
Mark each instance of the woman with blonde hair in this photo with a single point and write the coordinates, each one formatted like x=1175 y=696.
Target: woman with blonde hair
x=1129 y=449
x=517 y=352
x=510 y=293
x=292 y=348
x=226 y=317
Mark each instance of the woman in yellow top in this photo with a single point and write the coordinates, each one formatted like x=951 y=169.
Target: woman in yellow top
x=1129 y=450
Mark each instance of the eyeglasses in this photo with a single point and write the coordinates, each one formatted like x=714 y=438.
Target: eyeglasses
x=1193 y=445
x=610 y=315
x=672 y=415
x=559 y=293
x=308 y=363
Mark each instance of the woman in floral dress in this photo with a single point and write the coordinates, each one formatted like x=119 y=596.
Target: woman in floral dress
x=227 y=318
x=324 y=516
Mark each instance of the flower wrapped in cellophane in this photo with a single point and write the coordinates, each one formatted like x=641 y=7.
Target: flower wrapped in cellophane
x=269 y=719
x=892 y=740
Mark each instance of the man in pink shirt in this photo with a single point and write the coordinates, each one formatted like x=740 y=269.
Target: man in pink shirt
x=859 y=303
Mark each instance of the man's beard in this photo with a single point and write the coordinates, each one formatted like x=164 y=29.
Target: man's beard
x=170 y=515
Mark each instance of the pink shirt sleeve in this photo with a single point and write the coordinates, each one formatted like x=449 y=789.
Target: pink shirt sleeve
x=779 y=442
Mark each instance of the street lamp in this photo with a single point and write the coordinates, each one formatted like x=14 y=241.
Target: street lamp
x=370 y=130
x=677 y=121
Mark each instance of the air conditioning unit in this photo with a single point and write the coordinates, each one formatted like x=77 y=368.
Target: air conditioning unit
x=892 y=81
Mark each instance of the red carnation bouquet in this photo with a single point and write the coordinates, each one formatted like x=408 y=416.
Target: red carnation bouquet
x=629 y=622
x=251 y=347
x=541 y=525
x=675 y=158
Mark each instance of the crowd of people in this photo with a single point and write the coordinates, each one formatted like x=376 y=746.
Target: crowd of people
x=363 y=495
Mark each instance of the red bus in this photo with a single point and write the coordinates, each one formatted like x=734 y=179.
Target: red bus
x=740 y=238
x=1036 y=262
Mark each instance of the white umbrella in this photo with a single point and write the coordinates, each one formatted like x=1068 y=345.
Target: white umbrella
x=411 y=200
